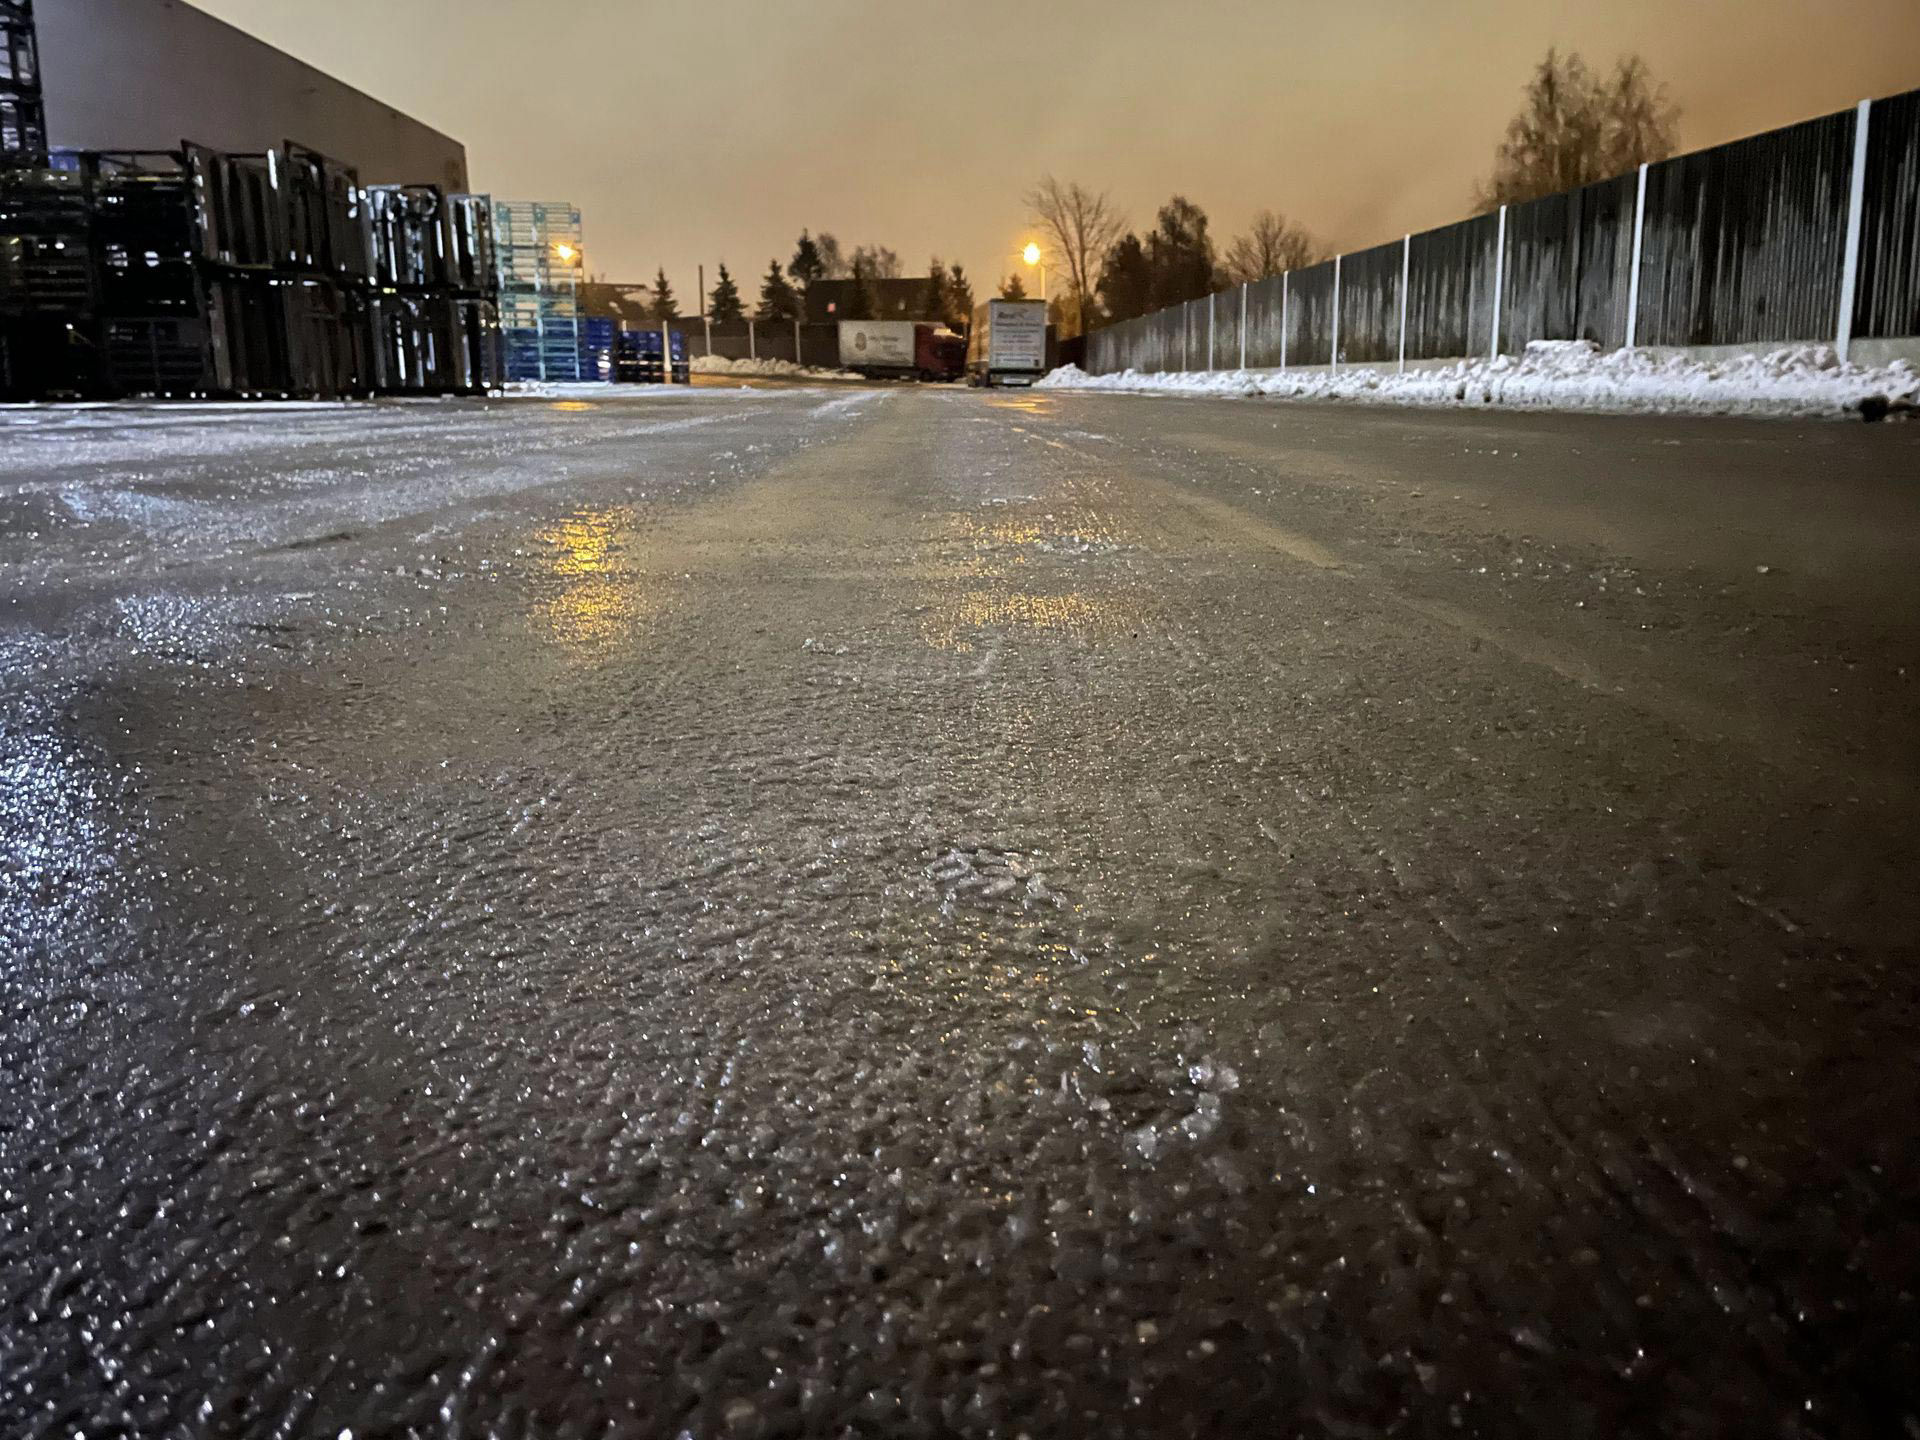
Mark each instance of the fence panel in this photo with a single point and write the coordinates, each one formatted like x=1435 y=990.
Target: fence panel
x=1263 y=322
x=1887 y=301
x=1131 y=346
x=1743 y=242
x=1569 y=266
x=1370 y=305
x=1195 y=357
x=1450 y=290
x=1310 y=315
x=1226 y=329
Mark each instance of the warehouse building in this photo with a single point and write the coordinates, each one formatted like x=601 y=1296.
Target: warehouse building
x=147 y=74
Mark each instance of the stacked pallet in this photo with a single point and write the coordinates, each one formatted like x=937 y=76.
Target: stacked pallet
x=23 y=112
x=539 y=249
x=47 y=282
x=203 y=273
x=435 y=324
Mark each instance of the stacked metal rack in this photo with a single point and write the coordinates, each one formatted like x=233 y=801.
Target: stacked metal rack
x=198 y=272
x=48 y=288
x=539 y=249
x=23 y=114
x=185 y=251
x=45 y=278
x=435 y=323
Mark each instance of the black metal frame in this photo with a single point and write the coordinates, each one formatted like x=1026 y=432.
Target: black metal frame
x=23 y=113
x=197 y=272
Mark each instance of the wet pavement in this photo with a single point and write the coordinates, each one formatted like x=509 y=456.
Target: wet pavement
x=923 y=913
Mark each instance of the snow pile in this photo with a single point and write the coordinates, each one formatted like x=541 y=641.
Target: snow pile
x=1568 y=375
x=765 y=369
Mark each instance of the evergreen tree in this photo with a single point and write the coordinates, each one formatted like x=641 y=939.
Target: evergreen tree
x=725 y=306
x=807 y=265
x=860 y=306
x=959 y=297
x=1013 y=289
x=664 y=306
x=777 y=300
x=1180 y=253
x=934 y=306
x=1126 y=280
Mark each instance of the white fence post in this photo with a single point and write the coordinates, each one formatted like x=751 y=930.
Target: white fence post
x=1633 y=278
x=1850 y=261
x=1186 y=337
x=1210 y=330
x=796 y=342
x=1499 y=282
x=706 y=324
x=1243 y=325
x=1406 y=263
x=1335 y=361
x=753 y=350
x=1285 y=283
x=666 y=353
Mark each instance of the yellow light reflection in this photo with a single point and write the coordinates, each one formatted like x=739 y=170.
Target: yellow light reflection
x=952 y=627
x=594 y=597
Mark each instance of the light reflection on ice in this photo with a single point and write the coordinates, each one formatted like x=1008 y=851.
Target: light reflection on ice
x=55 y=850
x=952 y=627
x=595 y=595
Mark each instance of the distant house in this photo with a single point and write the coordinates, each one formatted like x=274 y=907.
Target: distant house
x=905 y=299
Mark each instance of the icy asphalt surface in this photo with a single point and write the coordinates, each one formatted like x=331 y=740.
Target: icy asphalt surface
x=922 y=913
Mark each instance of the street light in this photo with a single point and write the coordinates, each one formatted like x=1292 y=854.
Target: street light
x=566 y=252
x=1032 y=256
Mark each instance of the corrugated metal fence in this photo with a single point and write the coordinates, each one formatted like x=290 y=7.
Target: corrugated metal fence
x=1810 y=233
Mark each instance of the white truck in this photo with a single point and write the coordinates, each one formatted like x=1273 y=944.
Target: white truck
x=1008 y=345
x=896 y=349
x=875 y=346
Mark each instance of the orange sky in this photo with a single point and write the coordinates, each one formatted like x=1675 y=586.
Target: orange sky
x=693 y=132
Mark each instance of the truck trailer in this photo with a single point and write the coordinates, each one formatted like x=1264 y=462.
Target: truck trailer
x=898 y=349
x=1008 y=345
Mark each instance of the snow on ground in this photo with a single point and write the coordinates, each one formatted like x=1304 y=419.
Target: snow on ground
x=1567 y=375
x=767 y=369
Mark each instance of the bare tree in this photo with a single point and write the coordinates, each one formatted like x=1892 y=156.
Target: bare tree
x=1079 y=228
x=1577 y=127
x=1272 y=244
x=833 y=264
x=877 y=261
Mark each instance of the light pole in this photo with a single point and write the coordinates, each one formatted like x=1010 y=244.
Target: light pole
x=1032 y=256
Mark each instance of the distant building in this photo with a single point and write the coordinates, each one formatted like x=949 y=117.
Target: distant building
x=148 y=74
x=904 y=299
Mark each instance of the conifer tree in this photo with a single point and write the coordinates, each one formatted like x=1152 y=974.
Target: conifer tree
x=934 y=305
x=725 y=306
x=664 y=306
x=777 y=300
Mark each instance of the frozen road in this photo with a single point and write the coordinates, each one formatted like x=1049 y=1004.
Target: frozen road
x=922 y=913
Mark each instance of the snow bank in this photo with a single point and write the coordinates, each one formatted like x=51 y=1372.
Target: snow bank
x=765 y=369
x=1567 y=375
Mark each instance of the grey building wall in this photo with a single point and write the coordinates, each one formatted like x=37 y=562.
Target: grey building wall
x=147 y=74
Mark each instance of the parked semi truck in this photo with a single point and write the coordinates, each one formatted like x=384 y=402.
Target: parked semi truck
x=899 y=349
x=1008 y=345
